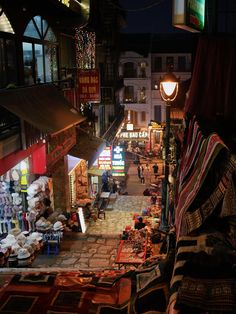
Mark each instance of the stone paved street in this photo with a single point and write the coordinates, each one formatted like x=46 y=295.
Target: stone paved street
x=97 y=248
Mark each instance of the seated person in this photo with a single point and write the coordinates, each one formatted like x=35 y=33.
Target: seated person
x=139 y=224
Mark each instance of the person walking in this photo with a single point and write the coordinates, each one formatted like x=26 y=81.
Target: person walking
x=139 y=171
x=155 y=170
x=142 y=178
x=147 y=174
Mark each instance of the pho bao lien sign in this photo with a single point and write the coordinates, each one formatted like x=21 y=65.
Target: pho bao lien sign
x=189 y=14
x=133 y=135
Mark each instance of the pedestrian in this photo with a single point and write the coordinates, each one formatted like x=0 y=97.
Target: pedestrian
x=139 y=224
x=139 y=170
x=147 y=174
x=155 y=170
x=142 y=178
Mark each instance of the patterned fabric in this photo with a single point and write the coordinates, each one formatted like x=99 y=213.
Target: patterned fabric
x=193 y=220
x=197 y=161
x=213 y=251
x=216 y=295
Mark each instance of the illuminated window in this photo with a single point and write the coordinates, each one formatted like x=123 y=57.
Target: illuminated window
x=142 y=98
x=5 y=25
x=129 y=94
x=39 y=52
x=7 y=52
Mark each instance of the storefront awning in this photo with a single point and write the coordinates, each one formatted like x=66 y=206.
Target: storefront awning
x=94 y=171
x=43 y=106
x=88 y=147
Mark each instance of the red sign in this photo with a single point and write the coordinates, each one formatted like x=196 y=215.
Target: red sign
x=89 y=85
x=59 y=145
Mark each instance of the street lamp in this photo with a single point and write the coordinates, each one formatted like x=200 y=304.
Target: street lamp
x=169 y=87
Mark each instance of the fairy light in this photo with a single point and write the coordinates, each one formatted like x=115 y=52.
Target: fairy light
x=85 y=49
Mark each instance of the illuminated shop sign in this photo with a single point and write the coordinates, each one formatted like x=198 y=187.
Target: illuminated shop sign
x=118 y=161
x=134 y=135
x=104 y=160
x=89 y=85
x=189 y=14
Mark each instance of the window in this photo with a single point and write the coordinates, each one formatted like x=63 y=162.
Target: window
x=133 y=117
x=129 y=94
x=181 y=63
x=170 y=63
x=157 y=66
x=157 y=113
x=143 y=69
x=143 y=116
x=142 y=96
x=129 y=70
x=39 y=53
x=5 y=25
x=8 y=73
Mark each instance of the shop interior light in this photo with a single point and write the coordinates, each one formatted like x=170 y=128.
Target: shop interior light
x=23 y=165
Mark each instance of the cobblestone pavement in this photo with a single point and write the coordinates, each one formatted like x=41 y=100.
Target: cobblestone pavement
x=97 y=248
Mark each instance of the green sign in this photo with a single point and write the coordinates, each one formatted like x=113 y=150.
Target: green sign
x=195 y=14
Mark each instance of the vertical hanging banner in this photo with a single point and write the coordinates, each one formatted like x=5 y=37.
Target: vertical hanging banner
x=118 y=161
x=89 y=85
x=104 y=160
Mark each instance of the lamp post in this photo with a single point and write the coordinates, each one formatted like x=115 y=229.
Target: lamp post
x=168 y=89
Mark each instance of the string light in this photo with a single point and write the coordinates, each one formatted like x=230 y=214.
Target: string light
x=85 y=49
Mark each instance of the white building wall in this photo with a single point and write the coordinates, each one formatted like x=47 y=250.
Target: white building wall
x=150 y=82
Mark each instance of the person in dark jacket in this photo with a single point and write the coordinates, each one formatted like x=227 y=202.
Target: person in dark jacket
x=140 y=224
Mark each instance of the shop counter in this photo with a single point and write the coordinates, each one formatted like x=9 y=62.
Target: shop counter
x=126 y=256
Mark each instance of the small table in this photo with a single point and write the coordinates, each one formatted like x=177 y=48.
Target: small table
x=105 y=195
x=126 y=256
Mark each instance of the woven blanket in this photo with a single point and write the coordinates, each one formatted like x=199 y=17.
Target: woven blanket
x=187 y=248
x=216 y=295
x=225 y=190
x=208 y=152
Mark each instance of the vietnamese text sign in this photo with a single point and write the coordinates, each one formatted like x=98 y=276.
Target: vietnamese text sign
x=89 y=85
x=134 y=135
x=118 y=161
x=104 y=160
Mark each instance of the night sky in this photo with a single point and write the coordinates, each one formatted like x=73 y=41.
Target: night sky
x=148 y=16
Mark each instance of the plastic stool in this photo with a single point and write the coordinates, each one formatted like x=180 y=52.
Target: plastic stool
x=101 y=212
x=52 y=247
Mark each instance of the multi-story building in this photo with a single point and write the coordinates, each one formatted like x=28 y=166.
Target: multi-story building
x=40 y=106
x=142 y=68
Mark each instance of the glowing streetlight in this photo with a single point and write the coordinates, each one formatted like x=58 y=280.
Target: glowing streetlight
x=169 y=87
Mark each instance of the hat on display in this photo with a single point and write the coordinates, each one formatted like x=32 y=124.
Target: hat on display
x=43 y=224
x=25 y=233
x=23 y=253
x=35 y=242
x=29 y=248
x=36 y=235
x=15 y=232
x=21 y=238
x=31 y=244
x=61 y=217
x=58 y=226
x=9 y=240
